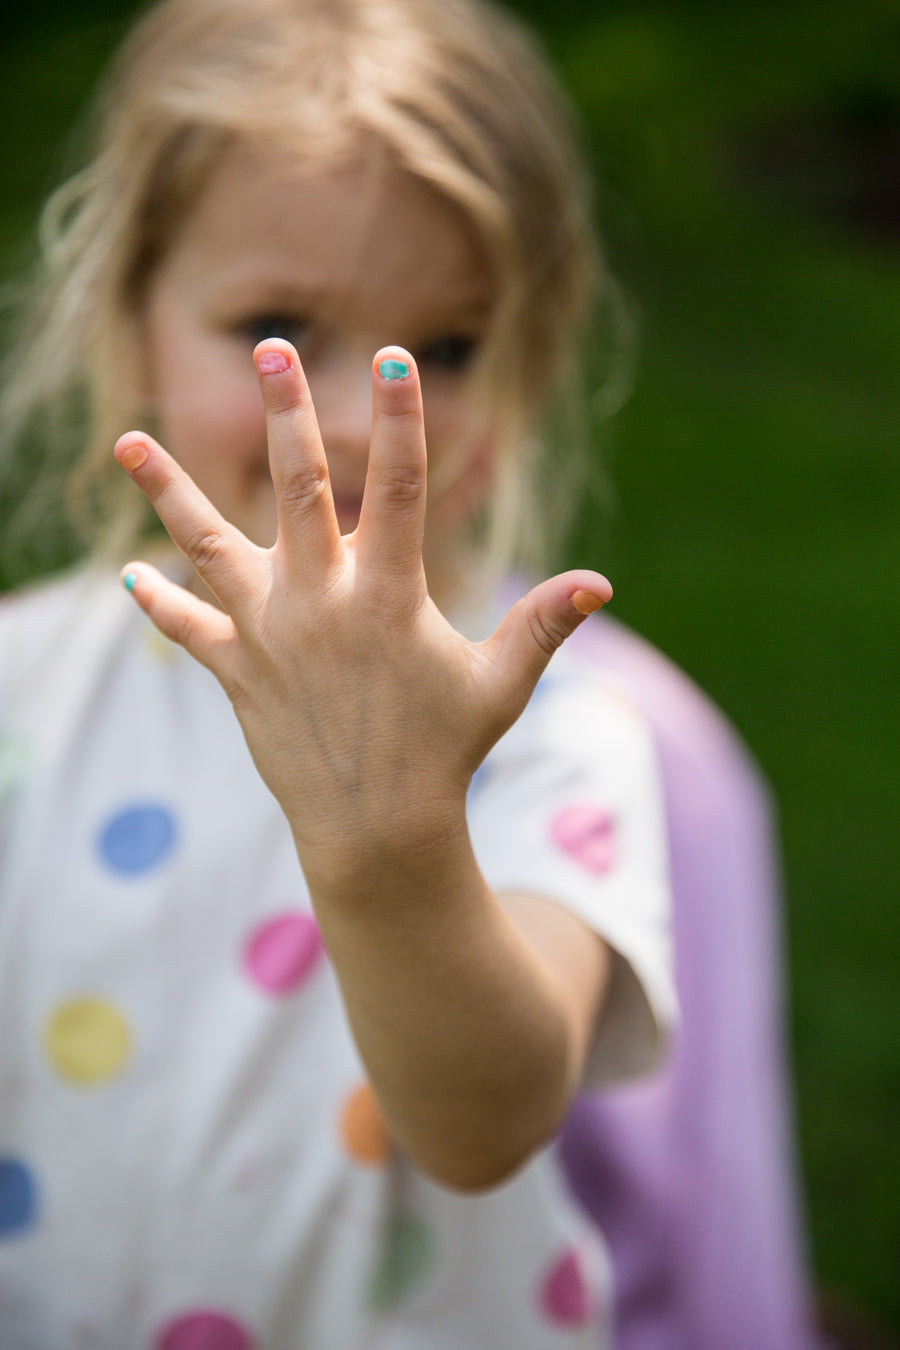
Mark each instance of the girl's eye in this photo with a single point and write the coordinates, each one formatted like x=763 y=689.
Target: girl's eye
x=291 y=328
x=451 y=353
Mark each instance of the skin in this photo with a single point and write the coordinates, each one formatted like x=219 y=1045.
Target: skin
x=366 y=713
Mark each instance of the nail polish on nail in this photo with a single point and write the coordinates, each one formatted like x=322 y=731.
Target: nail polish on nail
x=585 y=602
x=272 y=363
x=129 y=581
x=133 y=457
x=393 y=370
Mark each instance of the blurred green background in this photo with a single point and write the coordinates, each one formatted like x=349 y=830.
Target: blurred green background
x=748 y=158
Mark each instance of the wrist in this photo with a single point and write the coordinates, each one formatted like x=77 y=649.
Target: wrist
x=396 y=852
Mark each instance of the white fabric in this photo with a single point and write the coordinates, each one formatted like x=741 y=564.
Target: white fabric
x=175 y=1063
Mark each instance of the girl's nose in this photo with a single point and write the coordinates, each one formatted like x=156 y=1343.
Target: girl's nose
x=342 y=394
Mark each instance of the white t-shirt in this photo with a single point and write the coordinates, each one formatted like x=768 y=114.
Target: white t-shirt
x=190 y=1157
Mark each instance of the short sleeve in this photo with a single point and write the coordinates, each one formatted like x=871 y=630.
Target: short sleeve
x=44 y=629
x=569 y=806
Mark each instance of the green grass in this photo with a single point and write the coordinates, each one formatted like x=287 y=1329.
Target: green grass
x=755 y=532
x=757 y=481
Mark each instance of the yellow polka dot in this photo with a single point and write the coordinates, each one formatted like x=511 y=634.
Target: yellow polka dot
x=87 y=1040
x=158 y=646
x=363 y=1131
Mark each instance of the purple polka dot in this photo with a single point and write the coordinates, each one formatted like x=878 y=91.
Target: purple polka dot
x=587 y=834
x=138 y=838
x=18 y=1198
x=204 y=1330
x=565 y=1298
x=283 y=952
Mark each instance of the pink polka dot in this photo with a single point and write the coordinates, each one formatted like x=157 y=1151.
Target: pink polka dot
x=204 y=1330
x=282 y=952
x=587 y=834
x=565 y=1297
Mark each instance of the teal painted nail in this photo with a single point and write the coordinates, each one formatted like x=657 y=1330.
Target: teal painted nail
x=129 y=581
x=394 y=370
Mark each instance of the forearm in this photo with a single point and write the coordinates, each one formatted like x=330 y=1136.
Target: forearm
x=462 y=1026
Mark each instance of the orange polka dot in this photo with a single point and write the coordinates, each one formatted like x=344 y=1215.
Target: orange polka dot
x=363 y=1131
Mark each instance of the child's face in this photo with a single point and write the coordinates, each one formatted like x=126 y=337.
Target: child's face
x=340 y=264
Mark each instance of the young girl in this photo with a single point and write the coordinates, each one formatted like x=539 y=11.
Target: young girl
x=319 y=900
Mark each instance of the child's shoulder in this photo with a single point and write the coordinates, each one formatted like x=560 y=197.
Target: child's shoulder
x=40 y=621
x=43 y=601
x=611 y=664
x=687 y=724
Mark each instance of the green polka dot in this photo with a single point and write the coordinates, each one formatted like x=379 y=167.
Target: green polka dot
x=407 y=1259
x=16 y=754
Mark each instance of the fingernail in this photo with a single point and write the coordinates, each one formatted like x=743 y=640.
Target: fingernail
x=129 y=581
x=272 y=363
x=393 y=370
x=133 y=457
x=586 y=603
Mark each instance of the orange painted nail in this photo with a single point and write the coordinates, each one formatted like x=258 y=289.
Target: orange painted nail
x=585 y=602
x=133 y=457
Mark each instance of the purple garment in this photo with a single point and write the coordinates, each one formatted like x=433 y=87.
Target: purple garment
x=690 y=1174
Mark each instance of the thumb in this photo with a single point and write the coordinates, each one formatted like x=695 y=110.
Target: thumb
x=537 y=626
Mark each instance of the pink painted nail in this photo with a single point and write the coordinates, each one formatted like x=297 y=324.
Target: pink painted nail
x=272 y=363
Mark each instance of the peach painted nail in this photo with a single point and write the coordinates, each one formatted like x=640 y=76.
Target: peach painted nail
x=133 y=457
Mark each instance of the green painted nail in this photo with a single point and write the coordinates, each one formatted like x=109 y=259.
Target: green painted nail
x=129 y=581
x=394 y=370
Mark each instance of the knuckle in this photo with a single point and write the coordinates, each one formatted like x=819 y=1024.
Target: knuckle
x=401 y=488
x=182 y=629
x=303 y=487
x=206 y=549
x=547 y=632
x=237 y=688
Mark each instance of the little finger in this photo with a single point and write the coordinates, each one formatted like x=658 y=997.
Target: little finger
x=205 y=633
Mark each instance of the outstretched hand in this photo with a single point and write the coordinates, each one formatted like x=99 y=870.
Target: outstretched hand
x=365 y=711
x=366 y=714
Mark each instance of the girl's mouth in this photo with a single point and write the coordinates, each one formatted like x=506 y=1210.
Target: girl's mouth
x=347 y=507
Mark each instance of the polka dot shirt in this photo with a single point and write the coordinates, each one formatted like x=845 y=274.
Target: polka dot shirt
x=190 y=1155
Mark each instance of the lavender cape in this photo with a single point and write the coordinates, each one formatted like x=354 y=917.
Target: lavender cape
x=690 y=1174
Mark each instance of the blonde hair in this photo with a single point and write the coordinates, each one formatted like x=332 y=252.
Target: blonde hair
x=454 y=90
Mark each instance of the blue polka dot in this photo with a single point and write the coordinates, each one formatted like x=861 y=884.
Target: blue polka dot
x=138 y=839
x=18 y=1197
